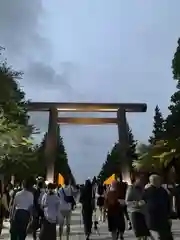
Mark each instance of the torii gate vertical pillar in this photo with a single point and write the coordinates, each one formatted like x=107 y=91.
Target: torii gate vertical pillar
x=51 y=144
x=123 y=145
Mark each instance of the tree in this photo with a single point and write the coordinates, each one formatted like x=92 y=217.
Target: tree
x=164 y=154
x=143 y=148
x=172 y=124
x=106 y=169
x=158 y=127
x=14 y=128
x=113 y=161
x=176 y=65
x=61 y=164
x=153 y=157
x=61 y=161
x=173 y=120
x=11 y=136
x=132 y=153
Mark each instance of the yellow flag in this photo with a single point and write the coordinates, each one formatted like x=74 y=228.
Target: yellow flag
x=60 y=180
x=109 y=180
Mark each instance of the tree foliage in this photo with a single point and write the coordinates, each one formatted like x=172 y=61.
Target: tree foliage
x=61 y=161
x=165 y=140
x=61 y=164
x=18 y=156
x=172 y=125
x=176 y=65
x=113 y=161
x=158 y=127
x=15 y=132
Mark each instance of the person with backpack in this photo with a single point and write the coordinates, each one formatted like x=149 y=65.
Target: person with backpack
x=67 y=203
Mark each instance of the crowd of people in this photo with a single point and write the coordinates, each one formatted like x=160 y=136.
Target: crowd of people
x=37 y=205
x=145 y=208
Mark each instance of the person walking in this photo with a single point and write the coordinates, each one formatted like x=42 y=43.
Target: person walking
x=87 y=201
x=122 y=189
x=21 y=212
x=136 y=207
x=38 y=213
x=67 y=203
x=159 y=208
x=51 y=208
x=100 y=200
x=115 y=213
x=4 y=209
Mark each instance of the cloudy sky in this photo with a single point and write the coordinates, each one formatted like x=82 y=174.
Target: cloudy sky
x=93 y=50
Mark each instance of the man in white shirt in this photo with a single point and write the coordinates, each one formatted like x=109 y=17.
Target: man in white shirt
x=66 y=195
x=22 y=211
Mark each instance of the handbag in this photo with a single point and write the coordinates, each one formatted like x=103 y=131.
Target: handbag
x=69 y=199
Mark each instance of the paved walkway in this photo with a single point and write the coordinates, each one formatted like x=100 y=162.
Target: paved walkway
x=77 y=230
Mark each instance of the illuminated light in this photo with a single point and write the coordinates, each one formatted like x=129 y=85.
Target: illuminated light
x=89 y=121
x=50 y=177
x=128 y=180
x=127 y=177
x=87 y=109
x=46 y=182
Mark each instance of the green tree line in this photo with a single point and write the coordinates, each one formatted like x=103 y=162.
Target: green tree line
x=19 y=155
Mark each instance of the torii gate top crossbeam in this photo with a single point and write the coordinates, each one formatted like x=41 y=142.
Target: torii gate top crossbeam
x=87 y=107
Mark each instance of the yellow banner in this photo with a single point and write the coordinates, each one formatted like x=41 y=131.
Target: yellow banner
x=109 y=180
x=60 y=180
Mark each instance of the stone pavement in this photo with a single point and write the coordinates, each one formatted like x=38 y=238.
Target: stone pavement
x=77 y=230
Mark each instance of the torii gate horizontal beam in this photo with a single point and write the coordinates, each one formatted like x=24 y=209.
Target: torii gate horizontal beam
x=87 y=107
x=86 y=121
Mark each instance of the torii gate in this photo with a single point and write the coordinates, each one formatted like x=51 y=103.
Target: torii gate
x=54 y=107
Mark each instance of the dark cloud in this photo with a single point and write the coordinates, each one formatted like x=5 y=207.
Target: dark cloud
x=19 y=23
x=29 y=50
x=41 y=74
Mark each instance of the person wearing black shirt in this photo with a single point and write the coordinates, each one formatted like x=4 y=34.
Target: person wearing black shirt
x=100 y=201
x=38 y=212
x=86 y=199
x=158 y=206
